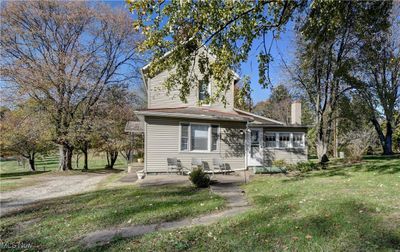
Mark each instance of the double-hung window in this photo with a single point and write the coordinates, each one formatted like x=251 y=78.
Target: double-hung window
x=204 y=91
x=298 y=140
x=199 y=137
x=270 y=139
x=284 y=140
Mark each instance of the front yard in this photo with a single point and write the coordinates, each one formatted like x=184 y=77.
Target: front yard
x=58 y=224
x=356 y=208
x=352 y=209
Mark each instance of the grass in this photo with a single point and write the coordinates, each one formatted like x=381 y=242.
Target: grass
x=356 y=208
x=14 y=176
x=57 y=224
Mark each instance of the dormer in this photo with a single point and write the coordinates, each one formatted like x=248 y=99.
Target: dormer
x=199 y=92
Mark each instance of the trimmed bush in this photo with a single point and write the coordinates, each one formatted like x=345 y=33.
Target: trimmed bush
x=307 y=166
x=284 y=166
x=199 y=178
x=280 y=163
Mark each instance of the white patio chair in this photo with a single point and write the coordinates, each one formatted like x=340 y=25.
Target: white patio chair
x=174 y=164
x=197 y=162
x=218 y=165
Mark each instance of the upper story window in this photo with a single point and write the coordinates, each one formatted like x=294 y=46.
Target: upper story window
x=204 y=91
x=199 y=137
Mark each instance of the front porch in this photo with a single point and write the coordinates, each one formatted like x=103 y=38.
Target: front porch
x=266 y=144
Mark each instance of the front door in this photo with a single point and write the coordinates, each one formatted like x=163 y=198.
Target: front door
x=255 y=147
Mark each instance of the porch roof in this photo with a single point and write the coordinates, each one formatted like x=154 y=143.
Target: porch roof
x=196 y=113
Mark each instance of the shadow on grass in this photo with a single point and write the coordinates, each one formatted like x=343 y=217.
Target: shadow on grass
x=387 y=166
x=98 y=210
x=380 y=164
x=16 y=175
x=78 y=202
x=102 y=170
x=341 y=225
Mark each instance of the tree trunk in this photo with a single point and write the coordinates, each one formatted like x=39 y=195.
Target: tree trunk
x=322 y=151
x=386 y=141
x=66 y=152
x=31 y=160
x=322 y=142
x=78 y=155
x=111 y=159
x=85 y=157
x=388 y=149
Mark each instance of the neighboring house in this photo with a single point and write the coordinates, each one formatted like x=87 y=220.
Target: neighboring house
x=174 y=129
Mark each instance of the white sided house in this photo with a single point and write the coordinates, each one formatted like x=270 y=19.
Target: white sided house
x=187 y=131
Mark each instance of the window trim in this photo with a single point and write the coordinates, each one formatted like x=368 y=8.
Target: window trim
x=209 y=142
x=277 y=145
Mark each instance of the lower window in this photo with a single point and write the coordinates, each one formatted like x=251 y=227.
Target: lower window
x=199 y=137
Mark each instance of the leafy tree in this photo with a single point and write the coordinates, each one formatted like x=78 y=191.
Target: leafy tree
x=277 y=106
x=378 y=76
x=24 y=132
x=396 y=134
x=64 y=55
x=326 y=53
x=227 y=28
x=242 y=97
x=114 y=110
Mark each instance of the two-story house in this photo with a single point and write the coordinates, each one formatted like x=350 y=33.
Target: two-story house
x=174 y=129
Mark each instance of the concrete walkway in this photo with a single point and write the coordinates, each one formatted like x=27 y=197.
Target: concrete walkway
x=227 y=187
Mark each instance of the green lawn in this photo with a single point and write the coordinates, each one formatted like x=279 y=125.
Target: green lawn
x=350 y=209
x=50 y=163
x=356 y=208
x=57 y=224
x=14 y=176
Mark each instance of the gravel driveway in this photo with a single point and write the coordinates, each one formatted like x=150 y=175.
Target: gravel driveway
x=53 y=186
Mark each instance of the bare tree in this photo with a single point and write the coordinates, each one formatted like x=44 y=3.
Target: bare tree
x=63 y=55
x=358 y=141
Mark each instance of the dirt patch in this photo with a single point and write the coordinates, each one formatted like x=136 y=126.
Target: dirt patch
x=51 y=186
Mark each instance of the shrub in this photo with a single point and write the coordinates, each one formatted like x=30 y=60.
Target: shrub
x=283 y=165
x=352 y=159
x=199 y=178
x=306 y=166
x=280 y=163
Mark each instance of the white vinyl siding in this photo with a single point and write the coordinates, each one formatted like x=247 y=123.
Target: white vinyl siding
x=158 y=97
x=162 y=138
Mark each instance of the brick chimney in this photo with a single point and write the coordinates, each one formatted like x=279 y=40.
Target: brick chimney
x=296 y=113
